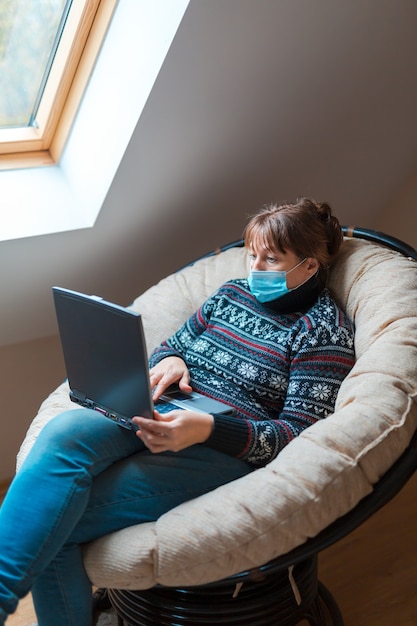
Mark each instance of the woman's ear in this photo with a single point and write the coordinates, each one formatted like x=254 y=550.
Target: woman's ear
x=312 y=265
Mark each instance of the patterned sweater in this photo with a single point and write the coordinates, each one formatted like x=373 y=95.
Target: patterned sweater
x=280 y=371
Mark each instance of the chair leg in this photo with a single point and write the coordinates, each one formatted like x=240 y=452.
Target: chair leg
x=101 y=602
x=263 y=600
x=325 y=610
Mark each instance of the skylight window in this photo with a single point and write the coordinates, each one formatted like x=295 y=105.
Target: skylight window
x=29 y=36
x=70 y=193
x=47 y=52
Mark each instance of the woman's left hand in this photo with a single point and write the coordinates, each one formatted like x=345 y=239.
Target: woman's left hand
x=175 y=430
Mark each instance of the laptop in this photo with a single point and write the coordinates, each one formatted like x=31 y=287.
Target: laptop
x=106 y=361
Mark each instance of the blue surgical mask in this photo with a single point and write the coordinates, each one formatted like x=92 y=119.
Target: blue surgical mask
x=268 y=285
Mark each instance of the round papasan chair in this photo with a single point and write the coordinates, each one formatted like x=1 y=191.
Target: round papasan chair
x=245 y=553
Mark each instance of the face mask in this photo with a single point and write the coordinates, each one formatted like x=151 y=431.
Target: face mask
x=269 y=285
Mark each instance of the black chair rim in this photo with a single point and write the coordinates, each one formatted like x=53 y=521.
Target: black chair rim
x=350 y=232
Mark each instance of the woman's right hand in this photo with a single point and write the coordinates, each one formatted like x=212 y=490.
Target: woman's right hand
x=170 y=370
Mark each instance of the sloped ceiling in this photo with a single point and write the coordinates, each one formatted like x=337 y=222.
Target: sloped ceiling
x=277 y=97
x=257 y=101
x=269 y=100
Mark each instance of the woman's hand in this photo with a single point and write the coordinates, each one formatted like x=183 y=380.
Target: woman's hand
x=175 y=430
x=170 y=370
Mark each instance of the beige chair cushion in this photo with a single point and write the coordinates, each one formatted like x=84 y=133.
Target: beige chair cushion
x=318 y=477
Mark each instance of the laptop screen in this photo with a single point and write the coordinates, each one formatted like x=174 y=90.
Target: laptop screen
x=105 y=354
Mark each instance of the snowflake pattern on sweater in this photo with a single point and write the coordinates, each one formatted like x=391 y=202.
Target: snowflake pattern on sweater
x=280 y=372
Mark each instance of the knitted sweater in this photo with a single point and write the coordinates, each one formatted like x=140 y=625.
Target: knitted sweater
x=280 y=371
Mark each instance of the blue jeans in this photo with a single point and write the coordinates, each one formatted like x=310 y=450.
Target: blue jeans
x=85 y=477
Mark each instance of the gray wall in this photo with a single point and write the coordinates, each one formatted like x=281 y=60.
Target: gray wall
x=256 y=101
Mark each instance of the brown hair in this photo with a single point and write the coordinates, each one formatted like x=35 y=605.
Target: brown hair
x=305 y=227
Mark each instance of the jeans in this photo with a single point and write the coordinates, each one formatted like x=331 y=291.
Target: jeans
x=85 y=477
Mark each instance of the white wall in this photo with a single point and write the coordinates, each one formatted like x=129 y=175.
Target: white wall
x=256 y=101
x=400 y=215
x=29 y=371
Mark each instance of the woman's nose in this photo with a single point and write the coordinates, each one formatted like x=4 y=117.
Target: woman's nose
x=257 y=265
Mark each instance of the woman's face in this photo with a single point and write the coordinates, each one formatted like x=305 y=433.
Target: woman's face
x=263 y=259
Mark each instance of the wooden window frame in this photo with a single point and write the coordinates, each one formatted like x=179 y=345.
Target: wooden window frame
x=43 y=143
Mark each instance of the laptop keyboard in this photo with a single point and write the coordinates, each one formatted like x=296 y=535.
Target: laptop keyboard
x=166 y=407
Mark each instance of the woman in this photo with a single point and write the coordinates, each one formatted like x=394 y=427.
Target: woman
x=274 y=346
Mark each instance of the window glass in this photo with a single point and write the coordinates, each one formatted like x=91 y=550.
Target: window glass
x=29 y=34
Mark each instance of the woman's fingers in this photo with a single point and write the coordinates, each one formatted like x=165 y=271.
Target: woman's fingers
x=170 y=370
